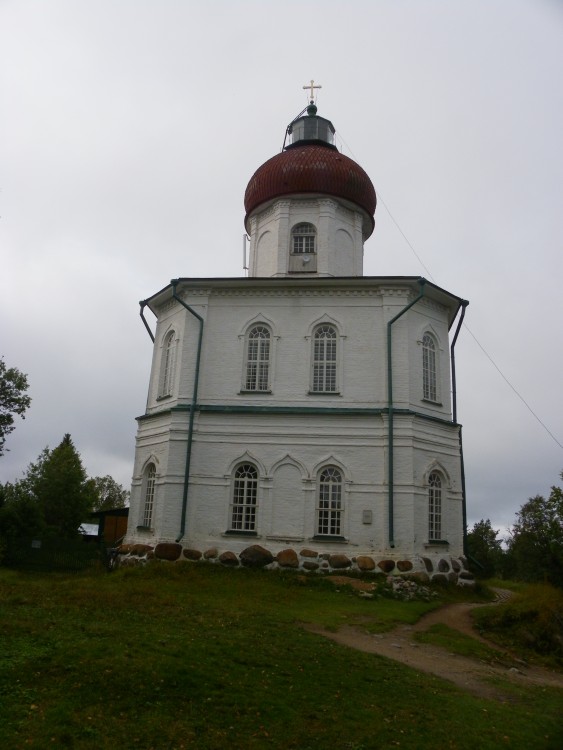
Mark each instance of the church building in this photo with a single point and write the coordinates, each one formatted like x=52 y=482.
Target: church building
x=303 y=416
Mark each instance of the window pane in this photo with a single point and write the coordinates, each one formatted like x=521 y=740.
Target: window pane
x=303 y=238
x=150 y=477
x=429 y=383
x=324 y=360
x=434 y=507
x=329 y=508
x=245 y=491
x=258 y=359
x=167 y=367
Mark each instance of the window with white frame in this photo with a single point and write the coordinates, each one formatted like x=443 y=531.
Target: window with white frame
x=303 y=239
x=257 y=365
x=429 y=374
x=325 y=341
x=329 y=502
x=244 y=498
x=434 y=507
x=148 y=495
x=167 y=365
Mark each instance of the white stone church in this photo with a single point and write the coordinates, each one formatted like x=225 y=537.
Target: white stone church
x=302 y=416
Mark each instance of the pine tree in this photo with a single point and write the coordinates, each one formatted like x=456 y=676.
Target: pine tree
x=60 y=484
x=484 y=550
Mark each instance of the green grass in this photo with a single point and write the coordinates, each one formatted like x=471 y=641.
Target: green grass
x=531 y=622
x=458 y=643
x=197 y=656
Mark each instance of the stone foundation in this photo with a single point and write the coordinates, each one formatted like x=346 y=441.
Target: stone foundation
x=442 y=569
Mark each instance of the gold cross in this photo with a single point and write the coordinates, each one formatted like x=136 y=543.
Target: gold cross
x=312 y=87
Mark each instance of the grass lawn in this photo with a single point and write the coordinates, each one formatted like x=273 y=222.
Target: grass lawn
x=197 y=656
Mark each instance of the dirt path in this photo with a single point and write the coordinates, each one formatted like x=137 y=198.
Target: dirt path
x=468 y=674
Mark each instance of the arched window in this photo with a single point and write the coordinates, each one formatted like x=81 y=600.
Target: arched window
x=244 y=498
x=329 y=502
x=148 y=494
x=429 y=379
x=167 y=365
x=257 y=365
x=324 y=378
x=303 y=239
x=434 y=507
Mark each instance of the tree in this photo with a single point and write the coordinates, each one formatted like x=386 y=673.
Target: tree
x=60 y=484
x=13 y=400
x=20 y=513
x=484 y=548
x=108 y=493
x=55 y=496
x=535 y=545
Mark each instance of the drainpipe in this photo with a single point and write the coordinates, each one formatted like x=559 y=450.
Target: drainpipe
x=174 y=283
x=454 y=410
x=142 y=314
x=421 y=282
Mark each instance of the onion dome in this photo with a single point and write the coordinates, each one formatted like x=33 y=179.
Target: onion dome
x=311 y=163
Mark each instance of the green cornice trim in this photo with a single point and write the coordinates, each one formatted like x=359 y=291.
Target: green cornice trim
x=336 y=411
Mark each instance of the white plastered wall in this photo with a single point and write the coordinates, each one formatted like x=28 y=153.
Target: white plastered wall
x=339 y=236
x=296 y=445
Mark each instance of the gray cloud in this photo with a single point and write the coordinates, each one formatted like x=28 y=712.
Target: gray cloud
x=130 y=131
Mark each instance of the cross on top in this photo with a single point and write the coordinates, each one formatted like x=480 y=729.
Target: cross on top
x=312 y=88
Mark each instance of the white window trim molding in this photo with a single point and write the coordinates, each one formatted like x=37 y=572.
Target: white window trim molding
x=429 y=330
x=166 y=385
x=145 y=479
x=342 y=514
x=245 y=361
x=267 y=322
x=313 y=233
x=231 y=506
x=326 y=320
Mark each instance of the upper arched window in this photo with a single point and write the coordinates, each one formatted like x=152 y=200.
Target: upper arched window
x=429 y=368
x=167 y=364
x=149 y=481
x=329 y=502
x=303 y=239
x=325 y=344
x=244 y=498
x=434 y=507
x=257 y=362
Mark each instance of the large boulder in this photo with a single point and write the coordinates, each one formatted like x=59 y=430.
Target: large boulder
x=365 y=563
x=386 y=565
x=308 y=565
x=256 y=557
x=229 y=559
x=404 y=565
x=168 y=551
x=309 y=553
x=338 y=562
x=192 y=554
x=287 y=558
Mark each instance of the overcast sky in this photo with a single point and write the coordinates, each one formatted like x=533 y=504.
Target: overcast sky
x=129 y=130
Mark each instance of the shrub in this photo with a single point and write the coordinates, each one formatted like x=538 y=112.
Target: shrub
x=532 y=620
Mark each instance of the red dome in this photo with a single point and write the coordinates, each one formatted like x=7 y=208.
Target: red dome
x=311 y=168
